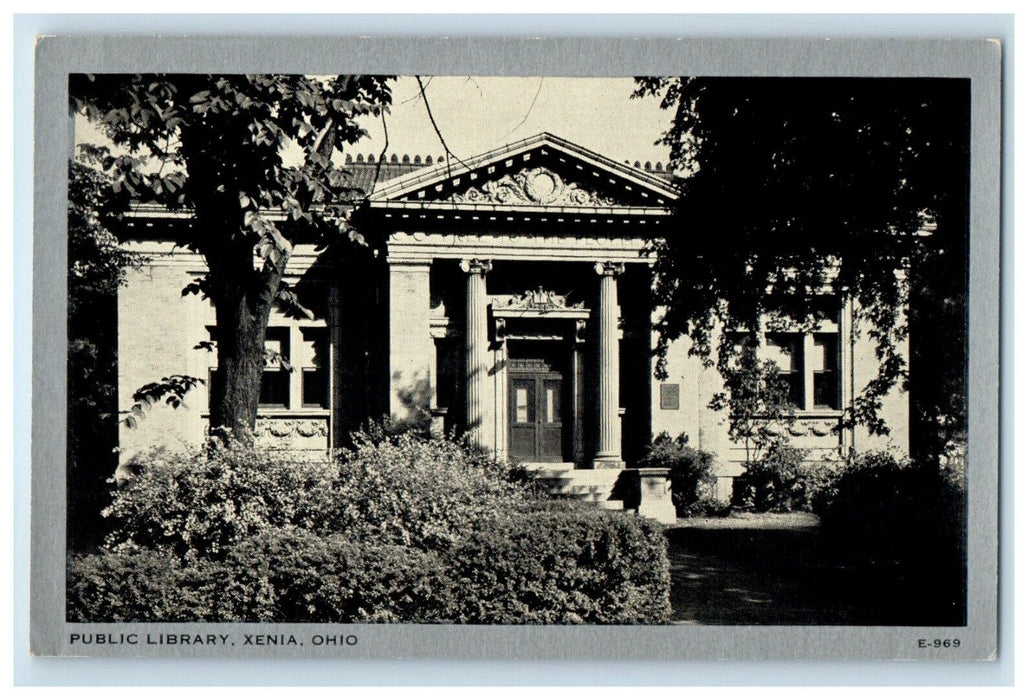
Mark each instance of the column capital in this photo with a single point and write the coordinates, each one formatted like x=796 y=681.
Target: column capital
x=475 y=266
x=609 y=269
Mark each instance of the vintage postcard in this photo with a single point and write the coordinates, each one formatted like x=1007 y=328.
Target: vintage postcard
x=381 y=348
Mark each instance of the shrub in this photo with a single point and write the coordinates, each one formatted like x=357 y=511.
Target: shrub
x=708 y=508
x=882 y=506
x=289 y=575
x=690 y=469
x=419 y=491
x=562 y=564
x=298 y=576
x=139 y=585
x=782 y=481
x=404 y=489
x=200 y=503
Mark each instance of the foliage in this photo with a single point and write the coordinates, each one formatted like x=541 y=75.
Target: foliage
x=883 y=506
x=97 y=264
x=420 y=491
x=295 y=575
x=200 y=504
x=215 y=145
x=283 y=575
x=562 y=565
x=690 y=470
x=173 y=390
x=708 y=507
x=756 y=402
x=783 y=481
x=96 y=268
x=797 y=188
x=400 y=528
x=140 y=585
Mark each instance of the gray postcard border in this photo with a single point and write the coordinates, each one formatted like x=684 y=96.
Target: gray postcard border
x=978 y=60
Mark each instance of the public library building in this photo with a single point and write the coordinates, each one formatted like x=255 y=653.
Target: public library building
x=512 y=301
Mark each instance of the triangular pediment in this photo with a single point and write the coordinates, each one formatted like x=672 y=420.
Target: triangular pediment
x=543 y=172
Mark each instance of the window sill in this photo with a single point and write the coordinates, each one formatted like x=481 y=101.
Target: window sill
x=819 y=413
x=275 y=412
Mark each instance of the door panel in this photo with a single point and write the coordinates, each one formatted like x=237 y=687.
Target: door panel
x=522 y=418
x=551 y=425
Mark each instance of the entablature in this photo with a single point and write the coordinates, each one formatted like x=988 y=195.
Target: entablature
x=424 y=247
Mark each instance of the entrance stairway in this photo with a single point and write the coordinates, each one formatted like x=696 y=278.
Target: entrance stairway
x=598 y=486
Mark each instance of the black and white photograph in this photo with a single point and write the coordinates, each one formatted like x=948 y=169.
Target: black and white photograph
x=362 y=351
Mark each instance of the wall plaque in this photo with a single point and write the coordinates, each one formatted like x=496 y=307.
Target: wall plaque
x=669 y=397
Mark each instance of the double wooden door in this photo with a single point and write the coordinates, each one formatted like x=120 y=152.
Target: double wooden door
x=537 y=416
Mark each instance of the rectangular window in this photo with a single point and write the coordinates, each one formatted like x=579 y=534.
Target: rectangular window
x=297 y=371
x=826 y=389
x=785 y=349
x=215 y=387
x=808 y=363
x=522 y=407
x=275 y=389
x=314 y=362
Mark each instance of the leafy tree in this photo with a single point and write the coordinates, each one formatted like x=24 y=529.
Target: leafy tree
x=96 y=268
x=757 y=403
x=797 y=188
x=217 y=146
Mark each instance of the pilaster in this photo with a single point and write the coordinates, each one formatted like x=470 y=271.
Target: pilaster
x=409 y=339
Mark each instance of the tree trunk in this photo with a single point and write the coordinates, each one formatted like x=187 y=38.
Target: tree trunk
x=241 y=321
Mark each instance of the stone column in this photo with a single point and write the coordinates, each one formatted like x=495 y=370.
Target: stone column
x=476 y=340
x=609 y=429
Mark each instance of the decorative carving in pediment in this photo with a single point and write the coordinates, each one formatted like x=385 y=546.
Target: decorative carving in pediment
x=536 y=300
x=534 y=186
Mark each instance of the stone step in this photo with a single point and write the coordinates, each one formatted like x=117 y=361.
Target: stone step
x=568 y=487
x=579 y=476
x=579 y=489
x=564 y=481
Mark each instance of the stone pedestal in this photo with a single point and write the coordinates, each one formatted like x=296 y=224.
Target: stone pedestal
x=609 y=429
x=476 y=340
x=656 y=496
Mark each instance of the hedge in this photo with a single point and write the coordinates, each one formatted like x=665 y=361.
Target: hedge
x=883 y=506
x=407 y=529
x=569 y=564
x=199 y=504
x=140 y=585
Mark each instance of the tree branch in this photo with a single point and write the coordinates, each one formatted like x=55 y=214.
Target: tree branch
x=442 y=140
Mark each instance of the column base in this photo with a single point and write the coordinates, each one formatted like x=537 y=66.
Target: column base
x=606 y=462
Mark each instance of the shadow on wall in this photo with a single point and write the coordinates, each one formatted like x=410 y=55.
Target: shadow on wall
x=413 y=401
